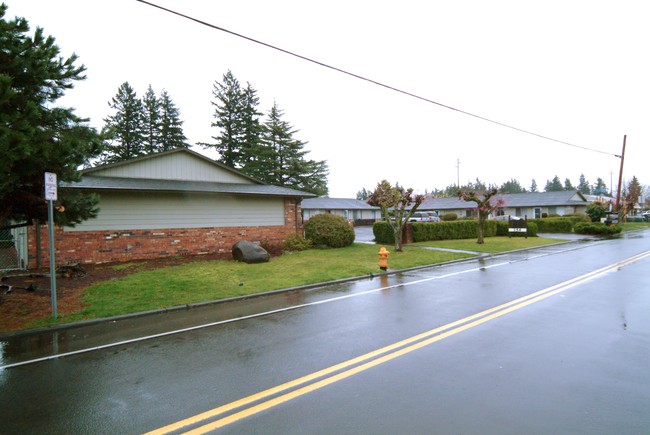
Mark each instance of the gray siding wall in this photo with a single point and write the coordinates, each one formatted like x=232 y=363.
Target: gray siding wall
x=174 y=167
x=125 y=211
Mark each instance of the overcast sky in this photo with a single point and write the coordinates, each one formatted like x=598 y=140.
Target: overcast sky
x=575 y=71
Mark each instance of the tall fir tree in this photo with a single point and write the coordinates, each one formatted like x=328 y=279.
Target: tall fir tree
x=568 y=185
x=124 y=129
x=252 y=130
x=36 y=135
x=554 y=186
x=228 y=113
x=600 y=188
x=171 y=126
x=282 y=160
x=533 y=186
x=151 y=122
x=583 y=185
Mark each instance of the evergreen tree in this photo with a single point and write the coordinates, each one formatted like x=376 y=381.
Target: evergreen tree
x=554 y=186
x=600 y=188
x=36 y=136
x=583 y=185
x=171 y=126
x=533 y=186
x=151 y=122
x=252 y=129
x=511 y=186
x=363 y=194
x=124 y=129
x=282 y=158
x=228 y=115
x=568 y=185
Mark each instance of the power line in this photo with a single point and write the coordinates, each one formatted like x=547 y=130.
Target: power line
x=383 y=85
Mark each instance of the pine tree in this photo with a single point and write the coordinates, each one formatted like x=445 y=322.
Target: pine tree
x=533 y=186
x=282 y=160
x=171 y=126
x=151 y=122
x=511 y=186
x=568 y=185
x=36 y=136
x=228 y=115
x=124 y=129
x=583 y=185
x=252 y=130
x=600 y=187
x=554 y=186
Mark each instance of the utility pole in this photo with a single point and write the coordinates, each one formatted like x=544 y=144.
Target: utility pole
x=620 y=177
x=458 y=173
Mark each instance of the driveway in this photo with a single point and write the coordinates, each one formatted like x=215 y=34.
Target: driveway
x=363 y=234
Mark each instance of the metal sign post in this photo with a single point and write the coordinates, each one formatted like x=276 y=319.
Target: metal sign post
x=50 y=196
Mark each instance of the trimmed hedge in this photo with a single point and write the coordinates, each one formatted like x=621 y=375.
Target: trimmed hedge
x=463 y=229
x=555 y=225
x=329 y=230
x=451 y=230
x=596 y=228
x=383 y=233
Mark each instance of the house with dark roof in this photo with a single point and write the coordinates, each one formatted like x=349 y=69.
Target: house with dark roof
x=532 y=205
x=174 y=203
x=354 y=210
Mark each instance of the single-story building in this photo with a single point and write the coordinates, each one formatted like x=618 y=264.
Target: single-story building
x=354 y=210
x=532 y=205
x=172 y=203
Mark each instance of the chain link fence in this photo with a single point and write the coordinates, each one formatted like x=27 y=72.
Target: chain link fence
x=13 y=248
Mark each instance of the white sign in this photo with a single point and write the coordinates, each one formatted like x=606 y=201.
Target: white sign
x=50 y=186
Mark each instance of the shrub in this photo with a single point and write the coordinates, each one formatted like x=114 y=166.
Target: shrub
x=329 y=230
x=555 y=225
x=596 y=228
x=597 y=210
x=383 y=233
x=449 y=217
x=295 y=242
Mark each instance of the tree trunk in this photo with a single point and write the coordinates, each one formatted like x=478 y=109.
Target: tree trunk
x=398 y=239
x=481 y=225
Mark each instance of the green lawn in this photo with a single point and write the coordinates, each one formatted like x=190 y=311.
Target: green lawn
x=212 y=280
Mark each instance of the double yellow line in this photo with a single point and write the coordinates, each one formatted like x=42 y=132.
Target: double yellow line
x=314 y=381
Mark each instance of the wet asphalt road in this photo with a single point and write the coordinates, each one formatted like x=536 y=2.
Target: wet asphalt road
x=572 y=358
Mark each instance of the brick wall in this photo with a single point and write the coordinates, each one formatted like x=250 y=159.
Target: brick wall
x=90 y=247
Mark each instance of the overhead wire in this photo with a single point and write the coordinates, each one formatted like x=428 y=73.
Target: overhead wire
x=366 y=79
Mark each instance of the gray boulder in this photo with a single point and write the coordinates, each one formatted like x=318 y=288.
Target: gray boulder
x=249 y=252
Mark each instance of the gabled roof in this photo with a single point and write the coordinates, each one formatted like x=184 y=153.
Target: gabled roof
x=168 y=153
x=325 y=203
x=132 y=175
x=147 y=184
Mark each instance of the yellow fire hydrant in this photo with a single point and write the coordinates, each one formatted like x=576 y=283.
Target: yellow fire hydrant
x=383 y=258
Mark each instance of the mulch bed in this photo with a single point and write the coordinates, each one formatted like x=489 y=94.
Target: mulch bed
x=29 y=299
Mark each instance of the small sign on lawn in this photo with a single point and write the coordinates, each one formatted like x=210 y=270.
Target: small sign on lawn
x=518 y=226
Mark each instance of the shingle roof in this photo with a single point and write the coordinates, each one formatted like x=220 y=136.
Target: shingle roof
x=324 y=203
x=538 y=199
x=147 y=184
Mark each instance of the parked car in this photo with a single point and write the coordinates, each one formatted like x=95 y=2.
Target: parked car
x=506 y=217
x=424 y=216
x=434 y=216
